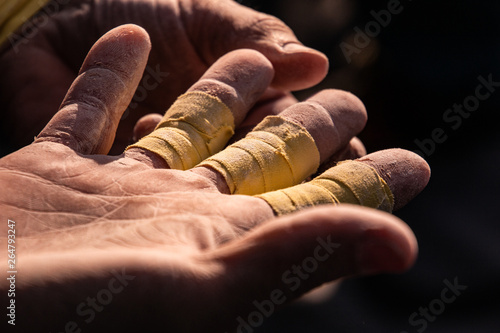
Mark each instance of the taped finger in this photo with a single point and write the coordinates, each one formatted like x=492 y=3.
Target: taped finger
x=284 y=150
x=196 y=126
x=384 y=180
x=349 y=182
x=278 y=153
x=201 y=122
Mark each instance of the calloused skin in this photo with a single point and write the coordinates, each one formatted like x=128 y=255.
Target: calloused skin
x=187 y=36
x=193 y=259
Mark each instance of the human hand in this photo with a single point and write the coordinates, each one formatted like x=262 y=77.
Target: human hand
x=119 y=243
x=187 y=37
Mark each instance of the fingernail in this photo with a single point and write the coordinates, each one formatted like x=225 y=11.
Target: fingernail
x=297 y=47
x=379 y=257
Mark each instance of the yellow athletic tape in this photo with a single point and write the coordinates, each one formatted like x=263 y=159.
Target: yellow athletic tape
x=348 y=182
x=278 y=153
x=195 y=127
x=13 y=14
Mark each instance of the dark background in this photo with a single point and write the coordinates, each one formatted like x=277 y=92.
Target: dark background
x=427 y=59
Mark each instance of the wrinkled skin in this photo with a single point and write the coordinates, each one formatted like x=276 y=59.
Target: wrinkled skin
x=189 y=258
x=187 y=37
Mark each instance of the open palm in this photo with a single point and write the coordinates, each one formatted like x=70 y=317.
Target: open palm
x=116 y=243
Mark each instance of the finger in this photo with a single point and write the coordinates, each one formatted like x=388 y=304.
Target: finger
x=353 y=150
x=297 y=67
x=332 y=117
x=201 y=122
x=282 y=260
x=92 y=108
x=146 y=125
x=378 y=180
x=272 y=103
x=406 y=173
x=276 y=103
x=283 y=151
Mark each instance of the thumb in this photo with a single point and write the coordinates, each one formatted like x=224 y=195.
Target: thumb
x=109 y=76
x=218 y=27
x=291 y=255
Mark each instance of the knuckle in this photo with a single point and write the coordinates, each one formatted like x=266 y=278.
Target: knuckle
x=266 y=26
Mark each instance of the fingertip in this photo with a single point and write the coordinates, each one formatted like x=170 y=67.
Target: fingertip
x=383 y=242
x=344 y=107
x=391 y=248
x=253 y=57
x=136 y=35
x=356 y=149
x=146 y=125
x=405 y=172
x=239 y=78
x=122 y=49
